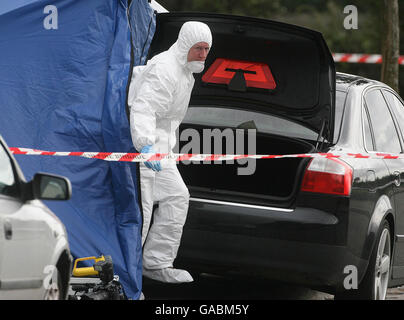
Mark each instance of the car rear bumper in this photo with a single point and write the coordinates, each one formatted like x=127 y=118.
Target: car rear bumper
x=305 y=246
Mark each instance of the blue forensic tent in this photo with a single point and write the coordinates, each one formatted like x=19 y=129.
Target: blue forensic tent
x=64 y=71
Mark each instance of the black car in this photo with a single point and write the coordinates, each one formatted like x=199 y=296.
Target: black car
x=336 y=225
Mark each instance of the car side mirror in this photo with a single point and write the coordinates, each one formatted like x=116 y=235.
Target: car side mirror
x=51 y=187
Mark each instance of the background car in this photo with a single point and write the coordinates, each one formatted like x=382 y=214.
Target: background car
x=335 y=225
x=35 y=259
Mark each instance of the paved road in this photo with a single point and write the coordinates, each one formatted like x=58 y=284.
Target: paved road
x=209 y=287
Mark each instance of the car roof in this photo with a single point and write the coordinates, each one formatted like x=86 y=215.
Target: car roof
x=346 y=80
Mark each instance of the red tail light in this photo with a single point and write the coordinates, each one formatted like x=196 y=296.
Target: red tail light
x=325 y=175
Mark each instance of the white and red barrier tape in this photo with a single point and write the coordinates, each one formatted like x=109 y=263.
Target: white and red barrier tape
x=361 y=58
x=143 y=157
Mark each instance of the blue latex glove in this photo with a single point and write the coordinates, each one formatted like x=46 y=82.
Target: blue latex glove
x=154 y=165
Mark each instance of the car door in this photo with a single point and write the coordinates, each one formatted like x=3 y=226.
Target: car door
x=387 y=140
x=24 y=238
x=9 y=204
x=397 y=107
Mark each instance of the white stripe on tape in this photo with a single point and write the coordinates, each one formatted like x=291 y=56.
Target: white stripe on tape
x=362 y=58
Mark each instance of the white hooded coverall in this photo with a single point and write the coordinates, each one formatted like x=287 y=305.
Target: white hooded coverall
x=159 y=95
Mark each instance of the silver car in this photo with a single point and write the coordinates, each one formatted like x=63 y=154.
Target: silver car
x=35 y=258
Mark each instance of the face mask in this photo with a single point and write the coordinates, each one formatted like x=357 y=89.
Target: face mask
x=196 y=66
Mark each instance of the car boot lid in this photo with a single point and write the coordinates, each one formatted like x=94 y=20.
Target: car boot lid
x=261 y=65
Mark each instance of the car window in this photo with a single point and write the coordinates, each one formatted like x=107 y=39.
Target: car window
x=367 y=132
x=236 y=118
x=340 y=97
x=216 y=116
x=7 y=179
x=385 y=133
x=397 y=107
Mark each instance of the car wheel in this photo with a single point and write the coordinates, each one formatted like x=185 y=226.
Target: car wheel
x=53 y=288
x=375 y=282
x=382 y=265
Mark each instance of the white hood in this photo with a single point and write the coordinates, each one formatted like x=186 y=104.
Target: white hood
x=191 y=33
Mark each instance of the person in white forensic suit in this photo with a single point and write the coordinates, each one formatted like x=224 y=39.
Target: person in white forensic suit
x=159 y=95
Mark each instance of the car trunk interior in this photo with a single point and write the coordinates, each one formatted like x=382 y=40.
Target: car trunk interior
x=272 y=181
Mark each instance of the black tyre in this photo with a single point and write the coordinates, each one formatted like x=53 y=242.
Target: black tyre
x=375 y=282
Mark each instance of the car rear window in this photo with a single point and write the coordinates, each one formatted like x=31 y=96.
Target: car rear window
x=219 y=116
